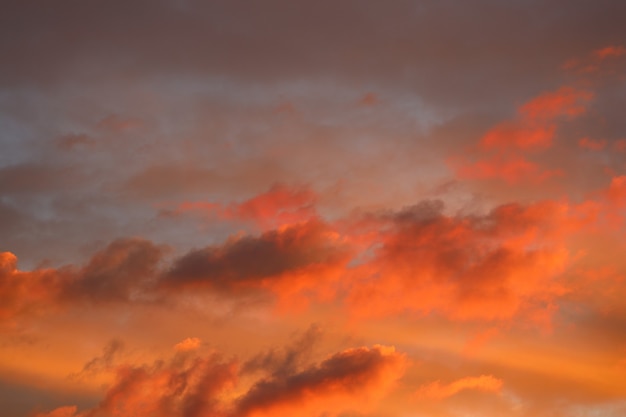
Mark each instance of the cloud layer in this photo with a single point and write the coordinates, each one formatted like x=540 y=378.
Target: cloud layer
x=323 y=209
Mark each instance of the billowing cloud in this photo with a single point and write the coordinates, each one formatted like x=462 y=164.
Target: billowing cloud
x=193 y=385
x=347 y=381
x=489 y=267
x=302 y=257
x=219 y=175
x=123 y=271
x=190 y=343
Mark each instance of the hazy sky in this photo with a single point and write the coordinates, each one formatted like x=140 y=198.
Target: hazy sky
x=313 y=209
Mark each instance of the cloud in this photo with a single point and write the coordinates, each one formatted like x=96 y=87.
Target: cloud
x=66 y=411
x=297 y=258
x=25 y=292
x=257 y=45
x=503 y=152
x=610 y=51
x=278 y=206
x=195 y=384
x=121 y=272
x=103 y=362
x=511 y=169
x=347 y=381
x=490 y=267
x=496 y=266
x=592 y=145
x=437 y=390
x=566 y=101
x=190 y=343
x=288 y=360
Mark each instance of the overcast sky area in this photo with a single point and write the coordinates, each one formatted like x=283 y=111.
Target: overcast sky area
x=316 y=209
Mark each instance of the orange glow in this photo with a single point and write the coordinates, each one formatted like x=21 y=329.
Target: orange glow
x=437 y=390
x=592 y=145
x=312 y=209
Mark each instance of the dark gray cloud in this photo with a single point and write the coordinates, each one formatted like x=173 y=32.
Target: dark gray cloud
x=250 y=259
x=288 y=360
x=348 y=373
x=124 y=270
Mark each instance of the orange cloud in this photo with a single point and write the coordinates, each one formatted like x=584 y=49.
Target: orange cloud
x=303 y=258
x=67 y=411
x=493 y=267
x=535 y=126
x=278 y=206
x=515 y=134
x=610 y=51
x=614 y=201
x=190 y=343
x=592 y=145
x=566 y=101
x=616 y=192
x=352 y=380
x=598 y=63
x=437 y=390
x=191 y=385
x=26 y=292
x=123 y=271
x=502 y=152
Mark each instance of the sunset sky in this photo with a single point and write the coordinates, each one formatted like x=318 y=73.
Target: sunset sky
x=315 y=209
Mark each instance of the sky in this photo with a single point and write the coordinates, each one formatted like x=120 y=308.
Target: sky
x=321 y=209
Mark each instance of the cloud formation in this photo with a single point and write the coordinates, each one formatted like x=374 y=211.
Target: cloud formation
x=437 y=390
x=180 y=178
x=193 y=385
